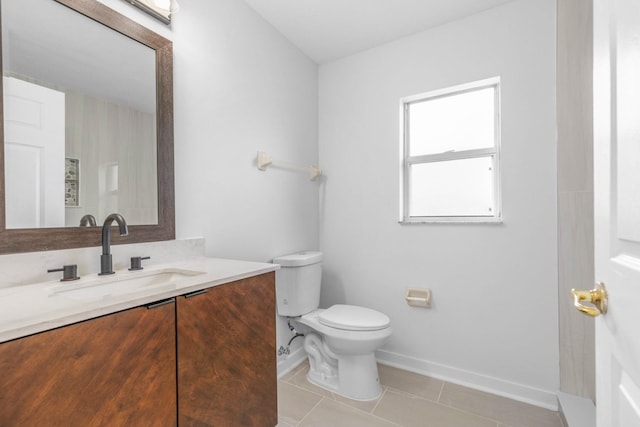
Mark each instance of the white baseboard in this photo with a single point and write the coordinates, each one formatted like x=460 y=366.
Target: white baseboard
x=291 y=361
x=576 y=411
x=534 y=396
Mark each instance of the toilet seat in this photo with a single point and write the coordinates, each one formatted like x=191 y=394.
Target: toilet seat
x=353 y=318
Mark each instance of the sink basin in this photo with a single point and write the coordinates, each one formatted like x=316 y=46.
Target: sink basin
x=123 y=283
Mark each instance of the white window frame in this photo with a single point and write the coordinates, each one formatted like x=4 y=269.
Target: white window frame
x=407 y=161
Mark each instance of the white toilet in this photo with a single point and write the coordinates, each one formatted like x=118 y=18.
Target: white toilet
x=341 y=340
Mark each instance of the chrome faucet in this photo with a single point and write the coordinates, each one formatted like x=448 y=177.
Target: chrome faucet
x=106 y=261
x=88 y=221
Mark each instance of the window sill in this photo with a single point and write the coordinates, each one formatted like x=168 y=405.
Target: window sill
x=452 y=220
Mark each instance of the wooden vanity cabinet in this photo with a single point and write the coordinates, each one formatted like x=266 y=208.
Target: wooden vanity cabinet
x=115 y=370
x=227 y=355
x=123 y=369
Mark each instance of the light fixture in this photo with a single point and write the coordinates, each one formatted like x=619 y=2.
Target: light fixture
x=159 y=9
x=162 y=4
x=171 y=6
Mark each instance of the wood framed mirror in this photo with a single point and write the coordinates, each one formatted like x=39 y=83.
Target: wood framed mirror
x=14 y=240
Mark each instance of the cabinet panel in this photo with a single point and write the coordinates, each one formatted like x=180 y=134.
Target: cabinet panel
x=116 y=370
x=227 y=355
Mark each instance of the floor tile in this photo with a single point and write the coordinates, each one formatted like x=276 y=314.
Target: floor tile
x=287 y=377
x=410 y=382
x=408 y=400
x=503 y=410
x=300 y=380
x=294 y=403
x=411 y=411
x=330 y=413
x=365 y=406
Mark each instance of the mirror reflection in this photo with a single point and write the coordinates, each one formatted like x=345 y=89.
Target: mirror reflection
x=79 y=119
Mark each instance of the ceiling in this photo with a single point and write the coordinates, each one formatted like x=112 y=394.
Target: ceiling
x=326 y=30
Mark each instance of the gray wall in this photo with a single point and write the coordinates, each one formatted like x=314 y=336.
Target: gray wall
x=494 y=318
x=240 y=87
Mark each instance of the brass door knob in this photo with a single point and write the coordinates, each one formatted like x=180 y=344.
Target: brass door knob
x=597 y=297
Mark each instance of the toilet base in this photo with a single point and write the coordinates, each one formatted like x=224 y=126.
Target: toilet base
x=351 y=376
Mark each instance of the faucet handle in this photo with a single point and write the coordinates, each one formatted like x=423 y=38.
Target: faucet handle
x=69 y=272
x=136 y=262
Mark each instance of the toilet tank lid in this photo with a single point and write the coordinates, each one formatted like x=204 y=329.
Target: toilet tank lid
x=299 y=259
x=354 y=318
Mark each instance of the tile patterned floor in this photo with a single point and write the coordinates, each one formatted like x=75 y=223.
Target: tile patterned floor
x=408 y=400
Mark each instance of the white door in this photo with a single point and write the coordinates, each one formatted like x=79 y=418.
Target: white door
x=34 y=130
x=617 y=209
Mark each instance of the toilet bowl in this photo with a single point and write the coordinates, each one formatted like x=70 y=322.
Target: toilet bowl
x=340 y=341
x=343 y=360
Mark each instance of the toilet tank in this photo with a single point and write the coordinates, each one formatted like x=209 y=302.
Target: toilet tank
x=298 y=283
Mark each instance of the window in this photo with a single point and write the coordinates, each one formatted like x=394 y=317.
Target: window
x=451 y=154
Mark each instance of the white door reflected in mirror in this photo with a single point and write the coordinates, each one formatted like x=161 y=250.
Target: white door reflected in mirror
x=34 y=155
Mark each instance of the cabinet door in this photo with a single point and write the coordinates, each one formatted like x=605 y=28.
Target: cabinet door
x=227 y=355
x=116 y=370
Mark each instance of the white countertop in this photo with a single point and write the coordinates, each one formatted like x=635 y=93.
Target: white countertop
x=28 y=309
